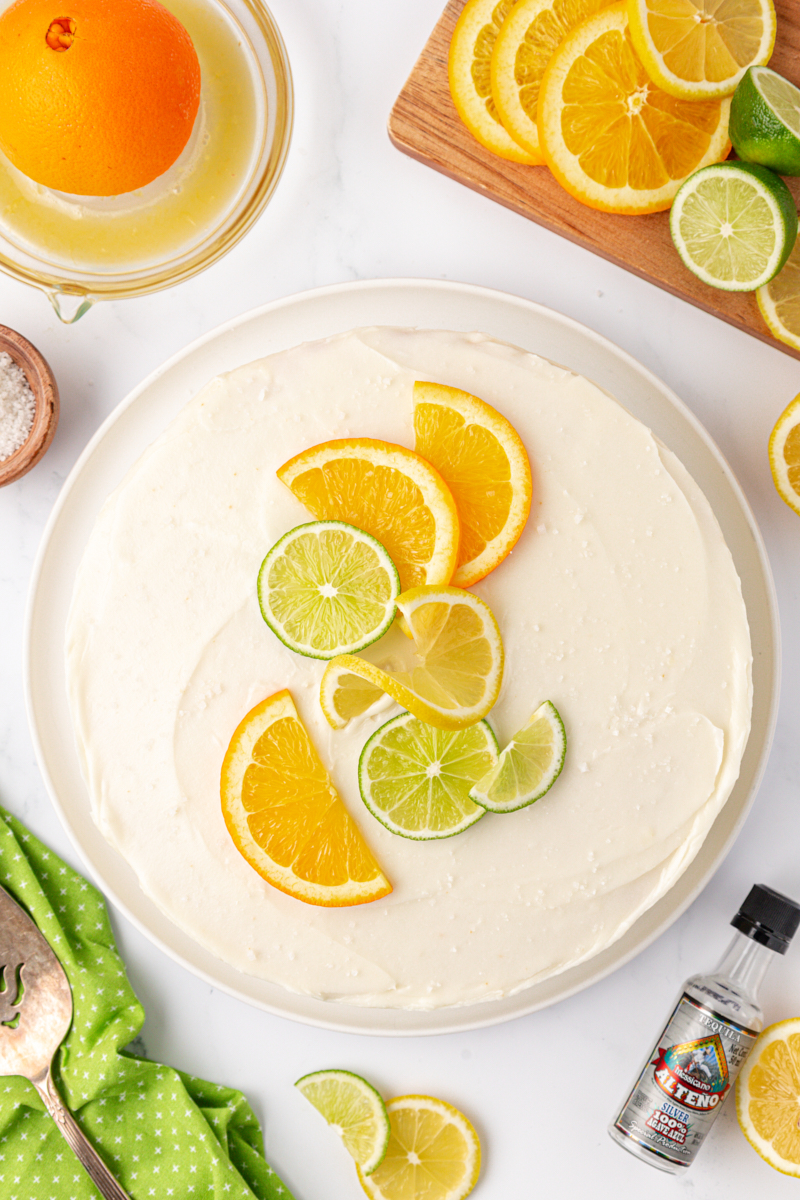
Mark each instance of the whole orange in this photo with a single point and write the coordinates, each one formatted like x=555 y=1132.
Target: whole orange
x=97 y=97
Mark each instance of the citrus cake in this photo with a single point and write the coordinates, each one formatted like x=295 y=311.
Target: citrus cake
x=619 y=604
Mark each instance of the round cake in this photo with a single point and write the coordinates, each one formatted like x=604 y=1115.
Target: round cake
x=620 y=603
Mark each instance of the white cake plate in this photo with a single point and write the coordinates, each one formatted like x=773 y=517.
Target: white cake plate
x=141 y=418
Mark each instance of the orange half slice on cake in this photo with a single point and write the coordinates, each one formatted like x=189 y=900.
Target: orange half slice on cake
x=285 y=816
x=389 y=492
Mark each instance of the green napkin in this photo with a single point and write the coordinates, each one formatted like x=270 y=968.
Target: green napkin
x=161 y=1132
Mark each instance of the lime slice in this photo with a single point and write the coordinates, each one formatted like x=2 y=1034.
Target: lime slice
x=416 y=779
x=327 y=588
x=765 y=121
x=734 y=225
x=355 y=1110
x=779 y=301
x=529 y=765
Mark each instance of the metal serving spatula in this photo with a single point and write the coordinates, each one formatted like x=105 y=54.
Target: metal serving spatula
x=35 y=1014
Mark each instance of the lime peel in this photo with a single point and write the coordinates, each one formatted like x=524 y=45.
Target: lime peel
x=355 y=1108
x=528 y=766
x=765 y=121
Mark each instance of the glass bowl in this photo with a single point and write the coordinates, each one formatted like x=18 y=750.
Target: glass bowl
x=79 y=249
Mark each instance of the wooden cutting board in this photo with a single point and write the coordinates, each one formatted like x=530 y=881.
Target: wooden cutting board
x=424 y=124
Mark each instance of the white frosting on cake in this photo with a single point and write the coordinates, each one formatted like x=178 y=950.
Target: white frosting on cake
x=620 y=603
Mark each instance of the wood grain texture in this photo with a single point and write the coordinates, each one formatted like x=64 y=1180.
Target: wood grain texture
x=425 y=125
x=45 y=392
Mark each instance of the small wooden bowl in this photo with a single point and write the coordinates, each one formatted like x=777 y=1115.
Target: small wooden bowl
x=45 y=393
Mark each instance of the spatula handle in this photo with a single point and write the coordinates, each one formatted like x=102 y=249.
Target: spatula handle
x=77 y=1141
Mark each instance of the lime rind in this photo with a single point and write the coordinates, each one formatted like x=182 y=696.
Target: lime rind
x=734 y=225
x=355 y=1108
x=415 y=779
x=328 y=588
x=528 y=766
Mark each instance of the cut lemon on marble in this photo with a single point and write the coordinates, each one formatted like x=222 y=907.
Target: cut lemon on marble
x=469 y=73
x=784 y=455
x=415 y=779
x=610 y=136
x=768 y=1096
x=388 y=491
x=528 y=766
x=455 y=678
x=355 y=1110
x=524 y=46
x=482 y=460
x=696 y=50
x=327 y=588
x=734 y=225
x=433 y=1152
x=779 y=301
x=285 y=816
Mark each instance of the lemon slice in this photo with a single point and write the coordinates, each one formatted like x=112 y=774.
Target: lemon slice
x=388 y=491
x=469 y=72
x=528 y=766
x=355 y=1110
x=481 y=458
x=784 y=455
x=611 y=137
x=433 y=1152
x=327 y=588
x=458 y=672
x=779 y=301
x=285 y=816
x=768 y=1096
x=524 y=46
x=416 y=779
x=696 y=50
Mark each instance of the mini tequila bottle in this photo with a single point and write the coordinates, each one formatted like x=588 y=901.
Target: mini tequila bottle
x=692 y=1067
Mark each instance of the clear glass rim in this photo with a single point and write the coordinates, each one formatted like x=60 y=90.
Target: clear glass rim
x=89 y=287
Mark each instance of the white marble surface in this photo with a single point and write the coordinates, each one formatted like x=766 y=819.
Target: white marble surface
x=540 y=1089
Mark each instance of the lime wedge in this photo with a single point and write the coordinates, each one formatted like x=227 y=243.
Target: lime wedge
x=765 y=121
x=415 y=779
x=354 y=1109
x=734 y=225
x=529 y=765
x=327 y=588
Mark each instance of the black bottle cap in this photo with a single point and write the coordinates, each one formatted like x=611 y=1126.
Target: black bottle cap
x=768 y=917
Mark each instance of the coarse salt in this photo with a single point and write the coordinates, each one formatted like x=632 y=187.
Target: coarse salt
x=17 y=407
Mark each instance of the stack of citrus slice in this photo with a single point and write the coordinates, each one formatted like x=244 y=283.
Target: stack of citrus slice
x=622 y=101
x=453 y=508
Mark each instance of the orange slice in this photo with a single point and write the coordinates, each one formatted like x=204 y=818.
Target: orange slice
x=285 y=816
x=389 y=492
x=611 y=137
x=482 y=460
x=469 y=74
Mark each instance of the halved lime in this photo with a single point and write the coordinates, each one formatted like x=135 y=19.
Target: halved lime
x=327 y=588
x=765 y=121
x=734 y=225
x=354 y=1109
x=415 y=778
x=529 y=765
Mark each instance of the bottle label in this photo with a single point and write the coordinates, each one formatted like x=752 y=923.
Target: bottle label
x=685 y=1081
